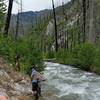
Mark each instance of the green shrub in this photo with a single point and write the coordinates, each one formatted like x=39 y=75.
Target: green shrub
x=9 y=49
x=50 y=54
x=97 y=58
x=84 y=56
x=60 y=55
x=64 y=56
x=96 y=63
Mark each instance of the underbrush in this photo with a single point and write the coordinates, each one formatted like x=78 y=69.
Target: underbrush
x=9 y=48
x=85 y=56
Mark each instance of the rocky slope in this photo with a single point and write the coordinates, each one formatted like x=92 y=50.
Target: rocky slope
x=14 y=85
x=73 y=27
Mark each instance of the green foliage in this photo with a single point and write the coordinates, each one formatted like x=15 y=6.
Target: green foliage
x=30 y=55
x=97 y=58
x=96 y=63
x=50 y=54
x=9 y=49
x=64 y=56
x=84 y=56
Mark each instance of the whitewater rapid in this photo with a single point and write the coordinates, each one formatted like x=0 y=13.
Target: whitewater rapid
x=69 y=83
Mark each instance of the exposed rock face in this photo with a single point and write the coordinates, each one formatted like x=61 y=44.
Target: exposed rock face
x=50 y=28
x=97 y=19
x=93 y=21
x=90 y=22
x=75 y=18
x=14 y=85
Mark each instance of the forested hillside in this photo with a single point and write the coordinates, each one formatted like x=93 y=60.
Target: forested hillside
x=67 y=34
x=76 y=36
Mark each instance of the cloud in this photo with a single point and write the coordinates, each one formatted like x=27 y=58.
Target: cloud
x=36 y=5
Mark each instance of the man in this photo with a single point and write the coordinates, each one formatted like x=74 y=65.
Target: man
x=36 y=79
x=17 y=62
x=35 y=83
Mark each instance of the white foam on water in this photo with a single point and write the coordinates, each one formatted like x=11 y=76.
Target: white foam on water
x=50 y=64
x=50 y=68
x=68 y=81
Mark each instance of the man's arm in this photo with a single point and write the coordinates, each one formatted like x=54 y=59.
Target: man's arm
x=41 y=77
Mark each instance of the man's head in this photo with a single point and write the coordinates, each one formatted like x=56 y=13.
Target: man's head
x=33 y=69
x=33 y=65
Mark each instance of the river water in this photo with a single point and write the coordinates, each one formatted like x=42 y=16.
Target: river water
x=69 y=83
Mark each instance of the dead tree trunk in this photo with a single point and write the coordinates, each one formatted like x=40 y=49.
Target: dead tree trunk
x=17 y=26
x=7 y=23
x=55 y=24
x=84 y=19
x=78 y=23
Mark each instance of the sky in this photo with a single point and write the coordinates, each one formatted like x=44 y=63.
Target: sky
x=36 y=5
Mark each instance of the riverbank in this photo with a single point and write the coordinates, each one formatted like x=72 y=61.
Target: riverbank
x=93 y=69
x=84 y=56
x=14 y=85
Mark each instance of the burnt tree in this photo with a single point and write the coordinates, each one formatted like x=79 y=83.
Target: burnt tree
x=7 y=23
x=55 y=24
x=84 y=19
x=17 y=26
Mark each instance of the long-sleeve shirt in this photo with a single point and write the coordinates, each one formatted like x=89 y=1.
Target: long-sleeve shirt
x=34 y=74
